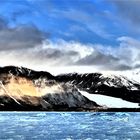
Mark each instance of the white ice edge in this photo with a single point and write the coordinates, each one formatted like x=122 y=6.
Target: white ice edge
x=109 y=101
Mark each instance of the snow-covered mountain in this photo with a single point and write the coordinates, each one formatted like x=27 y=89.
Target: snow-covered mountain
x=110 y=85
x=26 y=89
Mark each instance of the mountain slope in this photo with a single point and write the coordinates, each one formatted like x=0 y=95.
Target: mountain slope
x=97 y=83
x=26 y=89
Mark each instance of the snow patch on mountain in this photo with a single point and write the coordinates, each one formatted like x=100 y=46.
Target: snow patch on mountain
x=108 y=101
x=119 y=81
x=133 y=75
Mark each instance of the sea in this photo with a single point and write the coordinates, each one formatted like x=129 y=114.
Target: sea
x=69 y=126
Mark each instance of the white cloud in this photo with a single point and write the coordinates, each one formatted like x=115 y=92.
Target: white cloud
x=62 y=45
x=62 y=56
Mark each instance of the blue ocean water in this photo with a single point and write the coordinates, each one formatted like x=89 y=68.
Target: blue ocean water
x=69 y=126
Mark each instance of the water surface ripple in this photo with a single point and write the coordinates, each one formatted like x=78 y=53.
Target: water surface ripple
x=69 y=126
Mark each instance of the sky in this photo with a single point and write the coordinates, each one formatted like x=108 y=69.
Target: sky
x=70 y=35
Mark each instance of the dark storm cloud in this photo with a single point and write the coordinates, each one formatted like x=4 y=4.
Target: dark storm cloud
x=103 y=60
x=97 y=58
x=25 y=42
x=54 y=54
x=121 y=67
x=19 y=37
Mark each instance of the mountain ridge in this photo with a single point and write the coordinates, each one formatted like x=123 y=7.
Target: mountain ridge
x=40 y=90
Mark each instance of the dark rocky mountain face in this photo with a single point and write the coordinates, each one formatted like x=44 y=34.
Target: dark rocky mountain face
x=97 y=83
x=25 y=72
x=25 y=89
